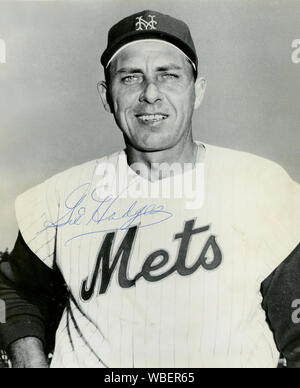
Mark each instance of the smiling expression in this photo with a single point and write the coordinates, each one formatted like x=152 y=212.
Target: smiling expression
x=152 y=93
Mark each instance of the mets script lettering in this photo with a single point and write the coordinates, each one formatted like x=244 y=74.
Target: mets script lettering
x=104 y=270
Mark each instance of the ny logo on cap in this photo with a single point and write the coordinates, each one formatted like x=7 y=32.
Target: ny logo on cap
x=142 y=24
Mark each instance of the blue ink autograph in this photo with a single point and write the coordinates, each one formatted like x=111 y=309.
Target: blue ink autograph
x=105 y=211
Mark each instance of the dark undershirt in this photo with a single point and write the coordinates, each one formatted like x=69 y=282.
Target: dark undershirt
x=34 y=294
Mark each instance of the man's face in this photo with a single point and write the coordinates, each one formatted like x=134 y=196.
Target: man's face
x=152 y=94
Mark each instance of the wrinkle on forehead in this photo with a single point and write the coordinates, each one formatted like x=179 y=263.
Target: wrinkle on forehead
x=150 y=55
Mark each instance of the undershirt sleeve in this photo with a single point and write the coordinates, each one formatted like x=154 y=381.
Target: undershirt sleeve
x=279 y=291
x=34 y=297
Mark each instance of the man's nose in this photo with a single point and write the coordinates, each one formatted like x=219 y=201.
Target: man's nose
x=150 y=93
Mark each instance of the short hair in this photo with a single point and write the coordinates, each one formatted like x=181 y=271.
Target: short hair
x=107 y=74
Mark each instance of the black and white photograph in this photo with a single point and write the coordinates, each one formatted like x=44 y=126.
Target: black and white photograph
x=150 y=186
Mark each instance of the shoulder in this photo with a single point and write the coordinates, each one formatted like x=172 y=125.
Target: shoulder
x=39 y=207
x=68 y=179
x=245 y=163
x=85 y=172
x=265 y=197
x=229 y=154
x=251 y=176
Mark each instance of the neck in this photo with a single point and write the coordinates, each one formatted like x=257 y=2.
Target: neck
x=181 y=153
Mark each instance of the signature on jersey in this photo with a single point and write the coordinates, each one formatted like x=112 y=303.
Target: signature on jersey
x=76 y=212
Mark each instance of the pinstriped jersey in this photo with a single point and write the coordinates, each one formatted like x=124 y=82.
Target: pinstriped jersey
x=156 y=280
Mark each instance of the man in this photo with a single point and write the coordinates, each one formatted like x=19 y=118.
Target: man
x=164 y=246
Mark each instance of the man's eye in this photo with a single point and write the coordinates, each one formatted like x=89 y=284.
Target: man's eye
x=169 y=76
x=130 y=79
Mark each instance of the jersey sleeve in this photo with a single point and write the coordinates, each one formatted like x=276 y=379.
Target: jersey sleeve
x=34 y=209
x=280 y=214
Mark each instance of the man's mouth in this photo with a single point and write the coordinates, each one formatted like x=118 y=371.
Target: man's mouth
x=152 y=118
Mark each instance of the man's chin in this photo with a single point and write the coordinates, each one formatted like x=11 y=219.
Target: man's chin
x=151 y=146
x=153 y=142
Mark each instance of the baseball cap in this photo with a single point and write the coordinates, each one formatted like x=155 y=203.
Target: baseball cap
x=150 y=25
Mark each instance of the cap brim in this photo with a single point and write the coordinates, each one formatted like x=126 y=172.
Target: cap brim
x=110 y=52
x=149 y=40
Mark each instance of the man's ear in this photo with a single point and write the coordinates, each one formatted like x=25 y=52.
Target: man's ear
x=200 y=86
x=103 y=92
